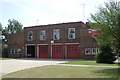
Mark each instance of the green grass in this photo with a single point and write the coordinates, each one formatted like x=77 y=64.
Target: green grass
x=64 y=72
x=5 y=58
x=82 y=62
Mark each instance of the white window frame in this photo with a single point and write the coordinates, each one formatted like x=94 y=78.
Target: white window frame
x=69 y=29
x=29 y=36
x=44 y=34
x=12 y=51
x=57 y=35
x=93 y=52
x=15 y=51
x=86 y=51
x=97 y=50
x=19 y=51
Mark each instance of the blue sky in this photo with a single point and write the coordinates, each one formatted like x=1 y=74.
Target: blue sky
x=28 y=12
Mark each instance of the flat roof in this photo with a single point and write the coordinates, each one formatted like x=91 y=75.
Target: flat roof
x=54 y=24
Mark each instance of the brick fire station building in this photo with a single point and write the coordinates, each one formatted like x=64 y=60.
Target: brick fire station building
x=63 y=40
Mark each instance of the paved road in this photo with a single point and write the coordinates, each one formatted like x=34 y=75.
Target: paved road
x=8 y=66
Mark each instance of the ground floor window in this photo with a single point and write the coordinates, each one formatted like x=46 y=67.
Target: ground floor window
x=97 y=50
x=91 y=51
x=15 y=51
x=87 y=51
x=18 y=51
x=12 y=51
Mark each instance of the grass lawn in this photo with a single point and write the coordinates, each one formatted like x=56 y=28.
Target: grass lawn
x=64 y=72
x=82 y=62
x=5 y=58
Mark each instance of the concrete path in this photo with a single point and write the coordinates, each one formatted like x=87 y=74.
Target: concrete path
x=9 y=66
x=89 y=66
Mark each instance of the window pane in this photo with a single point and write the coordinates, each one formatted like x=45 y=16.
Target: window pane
x=71 y=33
x=12 y=51
x=18 y=50
x=15 y=51
x=87 y=51
x=42 y=35
x=97 y=50
x=30 y=36
x=93 y=50
x=56 y=34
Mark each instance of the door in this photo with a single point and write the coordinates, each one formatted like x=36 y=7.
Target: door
x=72 y=51
x=31 y=51
x=43 y=51
x=57 y=51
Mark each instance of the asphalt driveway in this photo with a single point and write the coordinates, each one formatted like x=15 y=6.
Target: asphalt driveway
x=9 y=66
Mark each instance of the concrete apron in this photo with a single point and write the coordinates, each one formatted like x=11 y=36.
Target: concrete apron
x=9 y=66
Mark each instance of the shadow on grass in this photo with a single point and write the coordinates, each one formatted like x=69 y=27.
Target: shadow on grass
x=111 y=73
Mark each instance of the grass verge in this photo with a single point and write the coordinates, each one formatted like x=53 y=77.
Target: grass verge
x=5 y=58
x=64 y=72
x=82 y=62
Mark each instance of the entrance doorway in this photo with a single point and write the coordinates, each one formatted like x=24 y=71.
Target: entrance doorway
x=31 y=51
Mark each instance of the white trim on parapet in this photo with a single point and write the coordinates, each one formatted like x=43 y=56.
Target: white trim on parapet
x=57 y=44
x=42 y=44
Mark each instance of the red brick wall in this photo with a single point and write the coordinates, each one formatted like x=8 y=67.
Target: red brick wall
x=81 y=37
x=16 y=41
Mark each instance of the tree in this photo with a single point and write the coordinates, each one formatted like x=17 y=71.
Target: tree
x=105 y=55
x=1 y=27
x=107 y=19
x=13 y=27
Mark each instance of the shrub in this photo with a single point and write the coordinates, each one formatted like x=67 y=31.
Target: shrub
x=105 y=55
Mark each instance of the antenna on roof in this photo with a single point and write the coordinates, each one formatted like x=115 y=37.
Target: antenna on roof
x=83 y=5
x=37 y=21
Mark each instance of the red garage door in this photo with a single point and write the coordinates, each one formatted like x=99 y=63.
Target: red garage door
x=57 y=51
x=43 y=51
x=72 y=51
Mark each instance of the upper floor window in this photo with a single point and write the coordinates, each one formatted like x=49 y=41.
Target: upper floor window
x=42 y=35
x=30 y=36
x=71 y=33
x=56 y=34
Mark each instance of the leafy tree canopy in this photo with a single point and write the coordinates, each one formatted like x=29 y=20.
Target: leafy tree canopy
x=107 y=19
x=13 y=27
x=1 y=27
